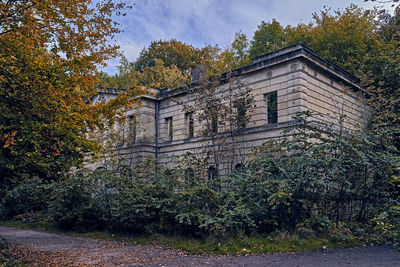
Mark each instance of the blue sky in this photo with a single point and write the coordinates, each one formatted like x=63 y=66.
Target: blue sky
x=201 y=22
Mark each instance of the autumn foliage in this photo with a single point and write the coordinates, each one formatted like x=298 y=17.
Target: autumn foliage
x=49 y=54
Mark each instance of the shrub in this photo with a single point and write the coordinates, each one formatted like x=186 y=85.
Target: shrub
x=73 y=204
x=295 y=186
x=27 y=197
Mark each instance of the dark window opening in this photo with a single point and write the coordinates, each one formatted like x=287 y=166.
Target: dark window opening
x=212 y=173
x=213 y=179
x=272 y=107
x=190 y=124
x=241 y=114
x=169 y=128
x=124 y=132
x=214 y=123
x=100 y=169
x=239 y=166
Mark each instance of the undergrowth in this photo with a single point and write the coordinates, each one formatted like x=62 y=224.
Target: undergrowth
x=277 y=242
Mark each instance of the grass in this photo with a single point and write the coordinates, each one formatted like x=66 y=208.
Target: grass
x=232 y=246
x=40 y=226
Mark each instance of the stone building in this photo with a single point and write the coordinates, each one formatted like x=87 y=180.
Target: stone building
x=282 y=83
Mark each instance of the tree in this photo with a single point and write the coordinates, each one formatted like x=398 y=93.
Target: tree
x=364 y=42
x=174 y=58
x=162 y=76
x=127 y=76
x=236 y=56
x=389 y=25
x=49 y=53
x=268 y=37
x=222 y=112
x=171 y=52
x=344 y=37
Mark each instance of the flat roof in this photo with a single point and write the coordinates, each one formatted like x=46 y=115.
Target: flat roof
x=284 y=54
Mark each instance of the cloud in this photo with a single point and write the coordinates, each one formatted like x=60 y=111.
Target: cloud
x=208 y=21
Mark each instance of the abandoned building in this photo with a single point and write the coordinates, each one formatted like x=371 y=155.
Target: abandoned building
x=282 y=83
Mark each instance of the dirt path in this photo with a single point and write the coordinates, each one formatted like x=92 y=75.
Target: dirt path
x=45 y=249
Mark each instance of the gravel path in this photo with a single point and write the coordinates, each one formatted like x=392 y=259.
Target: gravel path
x=45 y=249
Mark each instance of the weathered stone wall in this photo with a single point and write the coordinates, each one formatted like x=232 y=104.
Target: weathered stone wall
x=326 y=94
x=282 y=78
x=302 y=80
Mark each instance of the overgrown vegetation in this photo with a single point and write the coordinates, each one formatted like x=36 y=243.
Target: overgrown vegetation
x=314 y=183
x=221 y=108
x=48 y=75
x=337 y=185
x=275 y=242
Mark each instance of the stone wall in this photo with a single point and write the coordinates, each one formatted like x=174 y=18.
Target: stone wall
x=302 y=81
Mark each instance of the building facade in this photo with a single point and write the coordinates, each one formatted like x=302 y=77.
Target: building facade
x=282 y=83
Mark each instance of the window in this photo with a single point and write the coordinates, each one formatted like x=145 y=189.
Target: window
x=122 y=126
x=132 y=129
x=239 y=167
x=190 y=124
x=214 y=123
x=241 y=114
x=213 y=179
x=100 y=169
x=212 y=173
x=271 y=104
x=189 y=176
x=169 y=128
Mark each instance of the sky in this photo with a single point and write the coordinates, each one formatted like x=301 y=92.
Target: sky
x=214 y=22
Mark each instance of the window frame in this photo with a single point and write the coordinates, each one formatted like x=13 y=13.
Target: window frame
x=271 y=119
x=214 y=123
x=189 y=124
x=169 y=128
x=212 y=173
x=241 y=112
x=132 y=129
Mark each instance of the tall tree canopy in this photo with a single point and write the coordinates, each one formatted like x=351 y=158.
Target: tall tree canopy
x=267 y=38
x=170 y=63
x=127 y=76
x=171 y=52
x=235 y=56
x=364 y=42
x=49 y=52
x=341 y=36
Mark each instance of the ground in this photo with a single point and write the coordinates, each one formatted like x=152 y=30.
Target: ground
x=46 y=249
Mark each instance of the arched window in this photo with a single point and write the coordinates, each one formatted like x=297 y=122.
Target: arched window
x=101 y=169
x=239 y=167
x=190 y=124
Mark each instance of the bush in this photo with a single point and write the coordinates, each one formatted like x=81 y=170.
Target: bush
x=318 y=224
x=140 y=207
x=311 y=189
x=3 y=211
x=73 y=205
x=27 y=197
